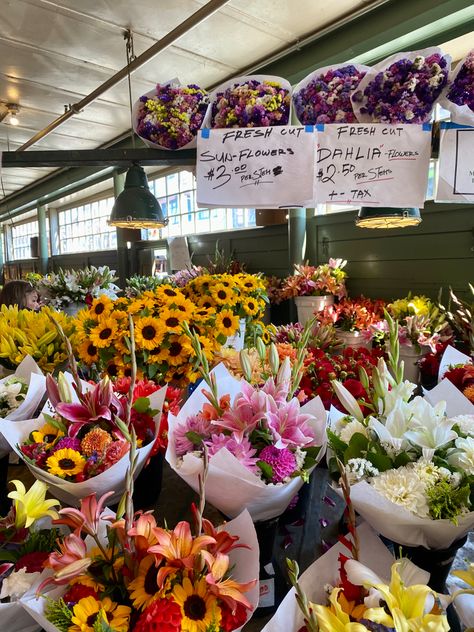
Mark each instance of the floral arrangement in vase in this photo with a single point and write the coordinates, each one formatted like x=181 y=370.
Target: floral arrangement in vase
x=402 y=89
x=27 y=333
x=251 y=102
x=64 y=287
x=170 y=116
x=325 y=96
x=353 y=319
x=325 y=279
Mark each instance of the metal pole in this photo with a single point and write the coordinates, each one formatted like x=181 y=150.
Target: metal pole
x=43 y=239
x=165 y=42
x=122 y=253
x=296 y=242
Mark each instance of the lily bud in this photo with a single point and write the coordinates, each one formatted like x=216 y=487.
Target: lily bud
x=64 y=389
x=245 y=365
x=274 y=359
x=261 y=349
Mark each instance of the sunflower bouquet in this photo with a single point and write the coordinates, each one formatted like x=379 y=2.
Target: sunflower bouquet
x=26 y=333
x=163 y=352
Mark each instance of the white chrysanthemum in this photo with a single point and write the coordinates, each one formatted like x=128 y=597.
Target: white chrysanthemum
x=358 y=469
x=300 y=456
x=17 y=583
x=427 y=471
x=350 y=429
x=462 y=456
x=403 y=488
x=465 y=423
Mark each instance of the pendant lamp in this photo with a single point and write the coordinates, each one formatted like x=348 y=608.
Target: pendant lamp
x=136 y=206
x=387 y=217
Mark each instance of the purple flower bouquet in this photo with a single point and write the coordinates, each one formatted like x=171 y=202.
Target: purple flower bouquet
x=458 y=96
x=324 y=96
x=250 y=101
x=170 y=116
x=403 y=88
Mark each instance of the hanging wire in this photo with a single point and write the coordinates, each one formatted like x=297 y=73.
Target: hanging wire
x=130 y=51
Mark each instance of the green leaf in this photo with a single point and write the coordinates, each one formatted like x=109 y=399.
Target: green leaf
x=381 y=461
x=141 y=404
x=152 y=370
x=8 y=556
x=401 y=459
x=194 y=437
x=221 y=339
x=335 y=443
x=267 y=469
x=357 y=447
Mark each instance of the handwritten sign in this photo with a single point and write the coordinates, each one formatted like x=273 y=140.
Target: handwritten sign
x=372 y=164
x=260 y=167
x=456 y=164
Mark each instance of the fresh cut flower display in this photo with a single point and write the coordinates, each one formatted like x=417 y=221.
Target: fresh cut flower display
x=25 y=333
x=411 y=466
x=261 y=443
x=325 y=279
x=403 y=88
x=353 y=315
x=458 y=96
x=324 y=96
x=170 y=116
x=64 y=287
x=251 y=101
x=26 y=541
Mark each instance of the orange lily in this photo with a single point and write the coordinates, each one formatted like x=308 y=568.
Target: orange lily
x=142 y=533
x=69 y=562
x=230 y=591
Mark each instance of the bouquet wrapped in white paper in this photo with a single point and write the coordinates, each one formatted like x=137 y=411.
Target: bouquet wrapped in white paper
x=83 y=447
x=20 y=395
x=455 y=384
x=261 y=443
x=458 y=95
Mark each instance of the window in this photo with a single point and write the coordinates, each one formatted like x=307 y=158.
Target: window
x=84 y=228
x=176 y=194
x=21 y=239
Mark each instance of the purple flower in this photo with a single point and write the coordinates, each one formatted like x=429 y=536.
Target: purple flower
x=67 y=442
x=241 y=448
x=283 y=462
x=461 y=90
x=195 y=424
x=289 y=427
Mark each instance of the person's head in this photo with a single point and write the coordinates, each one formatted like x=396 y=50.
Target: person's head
x=20 y=293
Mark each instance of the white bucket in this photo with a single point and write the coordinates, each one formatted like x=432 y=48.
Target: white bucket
x=308 y=305
x=237 y=340
x=353 y=339
x=410 y=356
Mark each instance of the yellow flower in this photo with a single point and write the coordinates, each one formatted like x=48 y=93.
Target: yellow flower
x=333 y=618
x=250 y=306
x=173 y=320
x=101 y=306
x=166 y=292
x=87 y=352
x=467 y=576
x=149 y=332
x=227 y=322
x=65 y=462
x=102 y=336
x=177 y=351
x=86 y=611
x=222 y=295
x=206 y=302
x=46 y=434
x=144 y=588
x=199 y=607
x=203 y=314
x=31 y=505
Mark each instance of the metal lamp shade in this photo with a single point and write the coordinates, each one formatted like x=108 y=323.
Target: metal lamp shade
x=387 y=217
x=136 y=206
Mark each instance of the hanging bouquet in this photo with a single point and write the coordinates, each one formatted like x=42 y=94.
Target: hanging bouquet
x=403 y=88
x=411 y=466
x=78 y=286
x=253 y=101
x=324 y=96
x=328 y=278
x=25 y=543
x=170 y=116
x=136 y=285
x=261 y=443
x=163 y=352
x=458 y=96
x=421 y=324
x=27 y=333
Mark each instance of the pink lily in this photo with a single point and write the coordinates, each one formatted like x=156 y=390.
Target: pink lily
x=86 y=518
x=70 y=562
x=289 y=427
x=248 y=409
x=143 y=533
x=228 y=590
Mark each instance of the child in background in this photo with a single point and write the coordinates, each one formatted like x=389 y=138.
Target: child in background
x=20 y=293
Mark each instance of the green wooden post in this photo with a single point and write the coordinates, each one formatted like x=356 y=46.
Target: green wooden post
x=122 y=253
x=2 y=250
x=43 y=239
x=296 y=243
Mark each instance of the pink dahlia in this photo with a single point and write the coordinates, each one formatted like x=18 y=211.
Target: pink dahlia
x=283 y=462
x=241 y=448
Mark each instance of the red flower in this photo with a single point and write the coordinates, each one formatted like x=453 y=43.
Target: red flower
x=356 y=389
x=231 y=621
x=33 y=562
x=163 y=615
x=351 y=592
x=456 y=376
x=79 y=591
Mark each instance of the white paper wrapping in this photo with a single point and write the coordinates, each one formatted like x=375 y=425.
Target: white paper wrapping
x=113 y=479
x=456 y=402
x=450 y=357
x=461 y=114
x=325 y=570
x=322 y=71
x=29 y=371
x=14 y=618
x=284 y=83
x=230 y=486
x=380 y=67
x=464 y=605
x=245 y=563
x=401 y=526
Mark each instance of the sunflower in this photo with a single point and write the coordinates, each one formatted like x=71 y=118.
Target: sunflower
x=176 y=351
x=149 y=332
x=102 y=335
x=199 y=608
x=46 y=434
x=144 y=588
x=65 y=462
x=248 y=282
x=184 y=305
x=222 y=295
x=206 y=302
x=101 y=306
x=166 y=292
x=173 y=319
x=86 y=611
x=227 y=322
x=203 y=313
x=250 y=306
x=88 y=352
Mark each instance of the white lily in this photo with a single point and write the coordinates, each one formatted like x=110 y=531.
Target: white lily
x=360 y=575
x=395 y=427
x=433 y=434
x=462 y=456
x=348 y=400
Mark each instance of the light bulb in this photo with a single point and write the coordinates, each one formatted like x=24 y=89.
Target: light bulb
x=14 y=119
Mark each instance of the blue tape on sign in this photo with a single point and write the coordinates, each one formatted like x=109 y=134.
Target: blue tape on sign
x=448 y=125
x=427 y=127
x=205 y=132
x=320 y=127
x=309 y=128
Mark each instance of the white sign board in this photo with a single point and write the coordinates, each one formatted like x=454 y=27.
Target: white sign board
x=372 y=164
x=179 y=253
x=260 y=167
x=456 y=164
